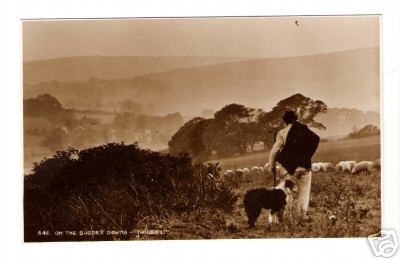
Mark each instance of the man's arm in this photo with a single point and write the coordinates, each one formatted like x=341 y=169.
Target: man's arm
x=278 y=145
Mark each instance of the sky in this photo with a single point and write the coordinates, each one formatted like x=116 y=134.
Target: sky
x=256 y=37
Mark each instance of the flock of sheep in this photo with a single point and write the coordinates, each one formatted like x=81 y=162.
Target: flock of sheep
x=352 y=167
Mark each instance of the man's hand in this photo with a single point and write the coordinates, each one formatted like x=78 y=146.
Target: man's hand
x=272 y=168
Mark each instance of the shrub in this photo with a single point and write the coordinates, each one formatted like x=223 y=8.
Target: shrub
x=112 y=187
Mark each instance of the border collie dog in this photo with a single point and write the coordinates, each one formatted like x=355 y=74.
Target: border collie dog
x=274 y=200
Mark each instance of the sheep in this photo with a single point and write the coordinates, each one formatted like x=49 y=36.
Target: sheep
x=246 y=170
x=364 y=166
x=232 y=177
x=257 y=169
x=315 y=167
x=266 y=167
x=239 y=173
x=254 y=169
x=352 y=164
x=326 y=166
x=343 y=166
x=227 y=175
x=329 y=166
x=228 y=172
x=377 y=164
x=322 y=166
x=280 y=171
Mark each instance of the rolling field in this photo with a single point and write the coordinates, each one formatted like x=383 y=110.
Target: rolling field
x=332 y=151
x=355 y=200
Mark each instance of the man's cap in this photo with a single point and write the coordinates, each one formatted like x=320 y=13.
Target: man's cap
x=289 y=116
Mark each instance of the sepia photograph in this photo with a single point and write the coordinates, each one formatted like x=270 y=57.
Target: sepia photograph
x=250 y=127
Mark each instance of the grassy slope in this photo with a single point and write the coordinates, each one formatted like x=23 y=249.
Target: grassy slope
x=331 y=151
x=353 y=193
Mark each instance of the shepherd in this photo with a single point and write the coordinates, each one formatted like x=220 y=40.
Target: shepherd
x=294 y=147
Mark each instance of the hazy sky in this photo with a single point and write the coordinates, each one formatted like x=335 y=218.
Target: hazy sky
x=229 y=37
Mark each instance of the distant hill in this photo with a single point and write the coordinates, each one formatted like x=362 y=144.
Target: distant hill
x=82 y=68
x=368 y=130
x=341 y=79
x=341 y=121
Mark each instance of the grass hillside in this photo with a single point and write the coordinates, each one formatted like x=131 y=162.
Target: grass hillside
x=332 y=151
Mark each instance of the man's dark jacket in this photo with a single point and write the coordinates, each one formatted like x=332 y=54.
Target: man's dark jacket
x=300 y=145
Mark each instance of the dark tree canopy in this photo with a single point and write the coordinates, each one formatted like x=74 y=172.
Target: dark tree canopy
x=236 y=128
x=233 y=114
x=48 y=107
x=189 y=138
x=305 y=108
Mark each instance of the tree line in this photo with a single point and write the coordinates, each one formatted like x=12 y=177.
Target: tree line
x=236 y=128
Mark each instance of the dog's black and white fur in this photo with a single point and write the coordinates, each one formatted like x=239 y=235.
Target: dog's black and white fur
x=274 y=200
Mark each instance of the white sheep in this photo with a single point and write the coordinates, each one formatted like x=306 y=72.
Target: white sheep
x=280 y=171
x=257 y=169
x=315 y=167
x=239 y=173
x=364 y=166
x=246 y=170
x=329 y=166
x=343 y=166
x=228 y=172
x=352 y=164
x=322 y=166
x=377 y=164
x=266 y=167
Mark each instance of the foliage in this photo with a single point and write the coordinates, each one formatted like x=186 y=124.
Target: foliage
x=368 y=130
x=236 y=128
x=115 y=186
x=233 y=114
x=305 y=108
x=48 y=107
x=189 y=138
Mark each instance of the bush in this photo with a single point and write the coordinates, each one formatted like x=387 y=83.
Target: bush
x=112 y=187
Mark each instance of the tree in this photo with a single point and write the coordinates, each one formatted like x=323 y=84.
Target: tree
x=236 y=127
x=305 y=108
x=233 y=114
x=48 y=107
x=189 y=138
x=42 y=106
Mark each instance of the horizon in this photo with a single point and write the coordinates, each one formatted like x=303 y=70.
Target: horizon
x=216 y=57
x=215 y=36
